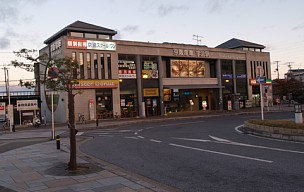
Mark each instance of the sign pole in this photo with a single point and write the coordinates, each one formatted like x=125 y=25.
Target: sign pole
x=53 y=127
x=261 y=95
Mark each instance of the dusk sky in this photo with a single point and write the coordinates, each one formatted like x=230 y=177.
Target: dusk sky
x=277 y=24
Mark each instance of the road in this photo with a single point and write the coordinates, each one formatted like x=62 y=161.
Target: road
x=207 y=154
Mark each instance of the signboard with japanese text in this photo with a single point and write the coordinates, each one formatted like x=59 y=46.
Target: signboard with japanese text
x=90 y=44
x=126 y=69
x=151 y=92
x=27 y=105
x=95 y=84
x=2 y=108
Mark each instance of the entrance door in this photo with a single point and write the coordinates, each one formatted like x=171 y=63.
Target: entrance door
x=151 y=105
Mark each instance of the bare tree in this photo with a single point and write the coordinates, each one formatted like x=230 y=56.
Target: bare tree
x=60 y=75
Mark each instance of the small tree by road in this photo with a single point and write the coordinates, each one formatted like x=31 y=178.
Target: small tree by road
x=60 y=75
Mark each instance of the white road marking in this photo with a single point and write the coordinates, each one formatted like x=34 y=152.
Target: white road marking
x=141 y=137
x=149 y=128
x=220 y=153
x=201 y=140
x=140 y=130
x=224 y=141
x=131 y=138
x=80 y=133
x=219 y=139
x=108 y=133
x=181 y=123
x=155 y=141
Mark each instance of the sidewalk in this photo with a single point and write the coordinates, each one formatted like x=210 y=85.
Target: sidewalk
x=40 y=167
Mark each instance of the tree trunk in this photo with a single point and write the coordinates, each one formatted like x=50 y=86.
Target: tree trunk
x=72 y=164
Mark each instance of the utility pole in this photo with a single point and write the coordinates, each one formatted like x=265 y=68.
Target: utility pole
x=198 y=39
x=277 y=69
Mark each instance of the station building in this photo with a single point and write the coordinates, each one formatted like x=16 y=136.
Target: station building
x=139 y=79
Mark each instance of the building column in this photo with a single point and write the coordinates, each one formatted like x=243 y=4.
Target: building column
x=160 y=85
x=219 y=78
x=141 y=103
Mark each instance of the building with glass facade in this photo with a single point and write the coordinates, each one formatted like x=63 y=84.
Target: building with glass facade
x=130 y=78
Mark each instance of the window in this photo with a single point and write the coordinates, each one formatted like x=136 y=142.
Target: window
x=102 y=69
x=175 y=68
x=91 y=35
x=76 y=34
x=81 y=65
x=95 y=65
x=200 y=69
x=74 y=70
x=89 y=65
x=103 y=36
x=109 y=66
x=187 y=68
x=184 y=66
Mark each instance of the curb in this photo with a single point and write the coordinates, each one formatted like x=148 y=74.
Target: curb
x=273 y=132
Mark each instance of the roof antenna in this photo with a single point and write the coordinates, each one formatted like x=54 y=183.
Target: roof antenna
x=198 y=39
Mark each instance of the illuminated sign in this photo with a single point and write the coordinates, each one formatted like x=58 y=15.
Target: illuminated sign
x=90 y=44
x=254 y=82
x=151 y=92
x=126 y=69
x=95 y=84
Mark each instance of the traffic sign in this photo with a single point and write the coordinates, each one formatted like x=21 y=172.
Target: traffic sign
x=260 y=79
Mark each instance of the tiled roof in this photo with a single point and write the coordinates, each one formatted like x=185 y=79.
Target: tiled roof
x=79 y=26
x=237 y=43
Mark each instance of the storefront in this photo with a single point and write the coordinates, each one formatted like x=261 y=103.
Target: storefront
x=139 y=79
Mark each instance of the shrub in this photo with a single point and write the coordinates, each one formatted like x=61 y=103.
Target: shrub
x=278 y=123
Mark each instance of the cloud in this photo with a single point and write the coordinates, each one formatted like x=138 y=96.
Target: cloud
x=4 y=43
x=299 y=27
x=5 y=40
x=150 y=32
x=165 y=10
x=130 y=28
x=215 y=6
x=9 y=11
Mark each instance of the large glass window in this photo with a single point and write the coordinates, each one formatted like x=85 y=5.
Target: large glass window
x=74 y=70
x=81 y=65
x=89 y=65
x=109 y=66
x=187 y=68
x=95 y=65
x=102 y=62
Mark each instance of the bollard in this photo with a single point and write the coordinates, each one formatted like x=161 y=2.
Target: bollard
x=96 y=122
x=13 y=128
x=58 y=141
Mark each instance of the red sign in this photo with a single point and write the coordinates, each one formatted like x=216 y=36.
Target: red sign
x=53 y=72
x=77 y=44
x=1 y=107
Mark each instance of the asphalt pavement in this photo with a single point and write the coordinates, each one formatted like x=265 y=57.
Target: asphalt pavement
x=42 y=167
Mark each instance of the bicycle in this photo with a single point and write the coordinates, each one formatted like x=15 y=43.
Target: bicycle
x=4 y=126
x=82 y=119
